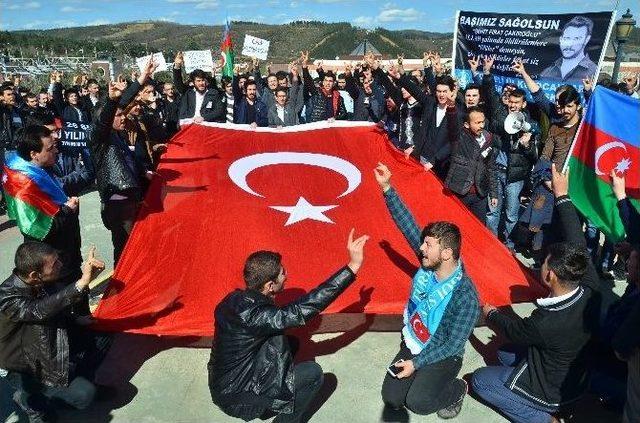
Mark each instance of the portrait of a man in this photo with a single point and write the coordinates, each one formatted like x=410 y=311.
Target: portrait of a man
x=575 y=63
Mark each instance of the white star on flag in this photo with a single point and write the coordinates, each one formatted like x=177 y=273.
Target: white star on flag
x=623 y=165
x=304 y=210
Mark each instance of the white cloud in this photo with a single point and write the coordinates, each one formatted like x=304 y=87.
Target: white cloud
x=203 y=5
x=364 y=21
x=399 y=15
x=98 y=22
x=28 y=5
x=34 y=24
x=71 y=9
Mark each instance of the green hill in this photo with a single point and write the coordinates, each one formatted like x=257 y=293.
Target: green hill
x=324 y=40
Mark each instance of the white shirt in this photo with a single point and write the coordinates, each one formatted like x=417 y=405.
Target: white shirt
x=280 y=111
x=440 y=113
x=549 y=301
x=199 y=100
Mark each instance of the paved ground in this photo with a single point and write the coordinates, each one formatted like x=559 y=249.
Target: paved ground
x=165 y=380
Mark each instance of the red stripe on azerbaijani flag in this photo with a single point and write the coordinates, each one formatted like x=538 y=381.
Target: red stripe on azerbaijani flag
x=21 y=187
x=603 y=152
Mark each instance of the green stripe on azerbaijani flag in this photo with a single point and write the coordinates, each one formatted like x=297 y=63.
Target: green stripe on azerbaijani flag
x=594 y=198
x=30 y=220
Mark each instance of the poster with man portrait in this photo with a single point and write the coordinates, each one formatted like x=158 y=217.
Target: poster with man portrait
x=555 y=49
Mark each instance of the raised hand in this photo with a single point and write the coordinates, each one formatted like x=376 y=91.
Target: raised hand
x=393 y=72
x=618 y=184
x=518 y=66
x=383 y=176
x=178 y=61
x=116 y=89
x=91 y=268
x=487 y=63
x=473 y=63
x=304 y=58
x=356 y=251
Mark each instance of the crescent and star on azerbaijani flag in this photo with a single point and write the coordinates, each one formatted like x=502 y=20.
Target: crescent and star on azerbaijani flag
x=621 y=167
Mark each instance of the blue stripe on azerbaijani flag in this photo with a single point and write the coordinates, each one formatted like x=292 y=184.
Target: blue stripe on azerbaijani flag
x=616 y=114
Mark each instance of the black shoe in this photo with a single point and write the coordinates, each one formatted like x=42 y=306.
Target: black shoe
x=454 y=409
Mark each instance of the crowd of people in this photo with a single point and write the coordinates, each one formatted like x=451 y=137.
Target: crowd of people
x=511 y=180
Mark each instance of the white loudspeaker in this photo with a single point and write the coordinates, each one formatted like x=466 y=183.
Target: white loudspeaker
x=515 y=123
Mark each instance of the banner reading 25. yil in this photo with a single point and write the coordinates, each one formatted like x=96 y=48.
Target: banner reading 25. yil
x=555 y=49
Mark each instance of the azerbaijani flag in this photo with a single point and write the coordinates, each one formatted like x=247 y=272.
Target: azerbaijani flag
x=33 y=196
x=226 y=51
x=609 y=139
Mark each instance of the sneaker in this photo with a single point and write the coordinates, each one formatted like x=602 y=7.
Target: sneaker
x=454 y=409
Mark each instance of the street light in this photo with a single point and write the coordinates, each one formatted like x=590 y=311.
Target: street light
x=624 y=26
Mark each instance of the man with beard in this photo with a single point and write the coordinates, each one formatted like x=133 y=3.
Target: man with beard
x=574 y=64
x=200 y=103
x=251 y=110
x=442 y=310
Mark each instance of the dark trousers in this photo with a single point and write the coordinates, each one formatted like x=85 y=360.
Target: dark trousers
x=87 y=350
x=118 y=216
x=490 y=385
x=308 y=378
x=427 y=390
x=476 y=205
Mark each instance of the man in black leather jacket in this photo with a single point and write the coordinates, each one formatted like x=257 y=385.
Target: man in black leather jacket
x=45 y=353
x=251 y=369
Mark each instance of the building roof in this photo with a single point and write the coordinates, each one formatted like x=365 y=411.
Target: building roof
x=363 y=48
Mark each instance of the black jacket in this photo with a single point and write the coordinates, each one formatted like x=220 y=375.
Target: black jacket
x=520 y=159
x=431 y=141
x=251 y=365
x=213 y=106
x=555 y=369
x=33 y=330
x=117 y=169
x=471 y=166
x=10 y=130
x=316 y=105
x=64 y=234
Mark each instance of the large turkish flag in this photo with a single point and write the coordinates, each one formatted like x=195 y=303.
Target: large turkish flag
x=225 y=192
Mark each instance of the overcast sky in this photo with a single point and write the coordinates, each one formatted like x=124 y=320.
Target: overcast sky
x=427 y=15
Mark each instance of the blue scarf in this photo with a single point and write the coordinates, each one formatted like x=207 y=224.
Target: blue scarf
x=427 y=303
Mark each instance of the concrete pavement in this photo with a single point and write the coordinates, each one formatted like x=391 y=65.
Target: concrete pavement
x=165 y=380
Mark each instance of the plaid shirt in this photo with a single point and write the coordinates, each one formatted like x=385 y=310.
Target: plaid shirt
x=463 y=310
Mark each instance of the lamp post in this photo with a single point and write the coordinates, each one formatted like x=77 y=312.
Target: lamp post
x=623 y=30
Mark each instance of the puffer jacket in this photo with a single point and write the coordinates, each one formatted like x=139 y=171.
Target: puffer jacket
x=251 y=365
x=118 y=171
x=33 y=330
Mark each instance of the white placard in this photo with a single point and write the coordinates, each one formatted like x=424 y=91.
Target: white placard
x=198 y=59
x=255 y=47
x=157 y=57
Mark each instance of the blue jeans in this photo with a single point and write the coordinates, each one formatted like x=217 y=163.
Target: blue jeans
x=509 y=201
x=489 y=384
x=605 y=261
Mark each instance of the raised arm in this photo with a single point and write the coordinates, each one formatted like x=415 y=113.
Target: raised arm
x=402 y=217
x=178 y=82
x=570 y=223
x=271 y=318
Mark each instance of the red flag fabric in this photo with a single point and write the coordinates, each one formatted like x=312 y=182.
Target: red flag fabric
x=227 y=191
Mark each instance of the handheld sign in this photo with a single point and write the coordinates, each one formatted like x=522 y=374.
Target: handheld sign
x=198 y=59
x=157 y=57
x=255 y=47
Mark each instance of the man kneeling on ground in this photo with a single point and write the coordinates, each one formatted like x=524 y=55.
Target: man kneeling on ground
x=48 y=357
x=251 y=371
x=442 y=310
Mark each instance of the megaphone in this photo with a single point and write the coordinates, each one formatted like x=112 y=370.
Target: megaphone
x=515 y=122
